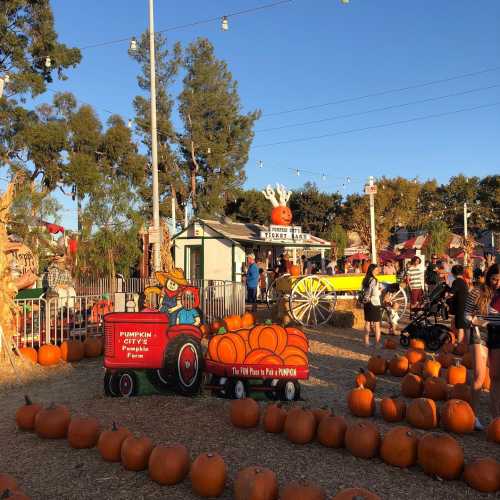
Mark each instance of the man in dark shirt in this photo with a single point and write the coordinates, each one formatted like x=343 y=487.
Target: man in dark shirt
x=459 y=290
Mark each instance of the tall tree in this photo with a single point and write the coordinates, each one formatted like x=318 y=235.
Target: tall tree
x=337 y=235
x=217 y=135
x=438 y=238
x=249 y=206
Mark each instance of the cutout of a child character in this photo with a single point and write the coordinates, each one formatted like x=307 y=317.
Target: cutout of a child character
x=172 y=283
x=189 y=314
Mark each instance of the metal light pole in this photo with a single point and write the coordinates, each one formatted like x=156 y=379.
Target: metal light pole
x=154 y=144
x=371 y=190
x=466 y=233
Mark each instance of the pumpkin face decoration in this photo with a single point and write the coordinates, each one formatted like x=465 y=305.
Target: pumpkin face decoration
x=110 y=443
x=363 y=439
x=399 y=447
x=25 y=415
x=208 y=475
x=83 y=433
x=52 y=422
x=254 y=483
x=169 y=465
x=245 y=413
x=440 y=455
x=300 y=426
x=281 y=216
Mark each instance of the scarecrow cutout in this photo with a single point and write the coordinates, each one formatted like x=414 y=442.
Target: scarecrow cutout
x=178 y=300
x=281 y=215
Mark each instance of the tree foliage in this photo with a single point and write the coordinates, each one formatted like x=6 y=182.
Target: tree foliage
x=438 y=238
x=249 y=206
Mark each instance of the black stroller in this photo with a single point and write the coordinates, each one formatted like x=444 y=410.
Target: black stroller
x=434 y=334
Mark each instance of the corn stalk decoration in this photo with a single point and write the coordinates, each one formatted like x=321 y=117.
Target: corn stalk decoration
x=8 y=289
x=167 y=263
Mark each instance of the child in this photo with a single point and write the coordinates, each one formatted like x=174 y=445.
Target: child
x=189 y=313
x=392 y=313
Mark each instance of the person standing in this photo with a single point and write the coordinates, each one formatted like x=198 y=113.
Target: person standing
x=482 y=313
x=431 y=275
x=459 y=289
x=416 y=282
x=252 y=281
x=371 y=303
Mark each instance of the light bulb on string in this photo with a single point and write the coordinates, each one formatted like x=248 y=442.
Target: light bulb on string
x=129 y=124
x=133 y=45
x=209 y=151
x=348 y=179
x=224 y=23
x=260 y=164
x=323 y=177
x=297 y=172
x=48 y=62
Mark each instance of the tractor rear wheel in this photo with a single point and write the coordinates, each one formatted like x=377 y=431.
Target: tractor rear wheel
x=111 y=384
x=127 y=383
x=183 y=365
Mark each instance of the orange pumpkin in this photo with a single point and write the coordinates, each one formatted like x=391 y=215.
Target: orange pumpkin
x=414 y=355
x=93 y=347
x=268 y=336
x=456 y=374
x=422 y=413
x=356 y=494
x=205 y=331
x=302 y=490
x=366 y=379
x=83 y=433
x=448 y=348
x=25 y=415
x=72 y=350
x=294 y=356
x=135 y=453
x=399 y=447
x=440 y=455
x=244 y=413
x=431 y=368
x=483 y=475
x=418 y=344
x=392 y=409
x=460 y=391
x=487 y=380
x=494 y=430
x=228 y=348
x=7 y=482
x=361 y=402
x=255 y=483
x=257 y=355
x=398 y=366
x=390 y=344
x=247 y=320
x=446 y=359
x=377 y=365
x=300 y=426
x=297 y=338
x=362 y=439
x=272 y=359
x=233 y=322
x=49 y=355
x=274 y=418
x=457 y=416
x=244 y=333
x=417 y=368
x=208 y=475
x=29 y=353
x=169 y=465
x=281 y=216
x=331 y=431
x=295 y=270
x=435 y=388
x=412 y=386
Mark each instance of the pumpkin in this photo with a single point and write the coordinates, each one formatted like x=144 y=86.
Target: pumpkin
x=297 y=338
x=435 y=388
x=294 y=356
x=256 y=356
x=461 y=349
x=281 y=216
x=135 y=452
x=169 y=465
x=93 y=347
x=356 y=494
x=274 y=418
x=29 y=353
x=366 y=379
x=300 y=426
x=244 y=413
x=52 y=422
x=399 y=447
x=208 y=475
x=233 y=322
x=362 y=439
x=7 y=482
x=431 y=368
x=302 y=490
x=418 y=344
x=456 y=374
x=49 y=355
x=483 y=475
x=377 y=365
x=448 y=348
x=417 y=368
x=440 y=455
x=227 y=348
x=445 y=359
x=457 y=416
x=321 y=413
x=83 y=432
x=247 y=320
x=72 y=350
x=14 y=495
x=422 y=413
x=412 y=386
x=460 y=391
x=110 y=443
x=361 y=402
x=390 y=344
x=268 y=336
x=392 y=409
x=468 y=360
x=217 y=325
x=414 y=356
x=398 y=366
x=494 y=430
x=295 y=270
x=255 y=483
x=331 y=431
x=25 y=415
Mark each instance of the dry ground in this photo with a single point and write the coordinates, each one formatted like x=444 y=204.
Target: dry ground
x=51 y=470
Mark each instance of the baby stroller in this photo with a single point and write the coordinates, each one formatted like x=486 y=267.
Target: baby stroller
x=434 y=334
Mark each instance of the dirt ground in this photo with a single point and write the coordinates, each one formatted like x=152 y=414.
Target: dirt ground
x=52 y=470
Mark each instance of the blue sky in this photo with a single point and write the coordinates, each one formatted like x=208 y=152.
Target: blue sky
x=309 y=52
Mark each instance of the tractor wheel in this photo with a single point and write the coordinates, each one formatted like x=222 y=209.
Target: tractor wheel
x=236 y=388
x=288 y=390
x=111 y=384
x=127 y=383
x=184 y=365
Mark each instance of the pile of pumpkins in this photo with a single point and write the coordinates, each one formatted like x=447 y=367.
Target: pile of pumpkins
x=166 y=465
x=438 y=454
x=70 y=351
x=238 y=340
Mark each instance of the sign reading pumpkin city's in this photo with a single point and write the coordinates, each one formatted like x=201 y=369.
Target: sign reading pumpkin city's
x=281 y=217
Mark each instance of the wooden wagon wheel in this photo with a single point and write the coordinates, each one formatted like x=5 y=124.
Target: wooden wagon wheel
x=400 y=298
x=273 y=293
x=312 y=301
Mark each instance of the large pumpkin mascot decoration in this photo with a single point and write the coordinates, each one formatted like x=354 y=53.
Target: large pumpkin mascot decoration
x=281 y=215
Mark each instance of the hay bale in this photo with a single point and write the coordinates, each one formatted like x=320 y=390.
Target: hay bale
x=348 y=315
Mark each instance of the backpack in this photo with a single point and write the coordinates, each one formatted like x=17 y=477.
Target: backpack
x=363 y=296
